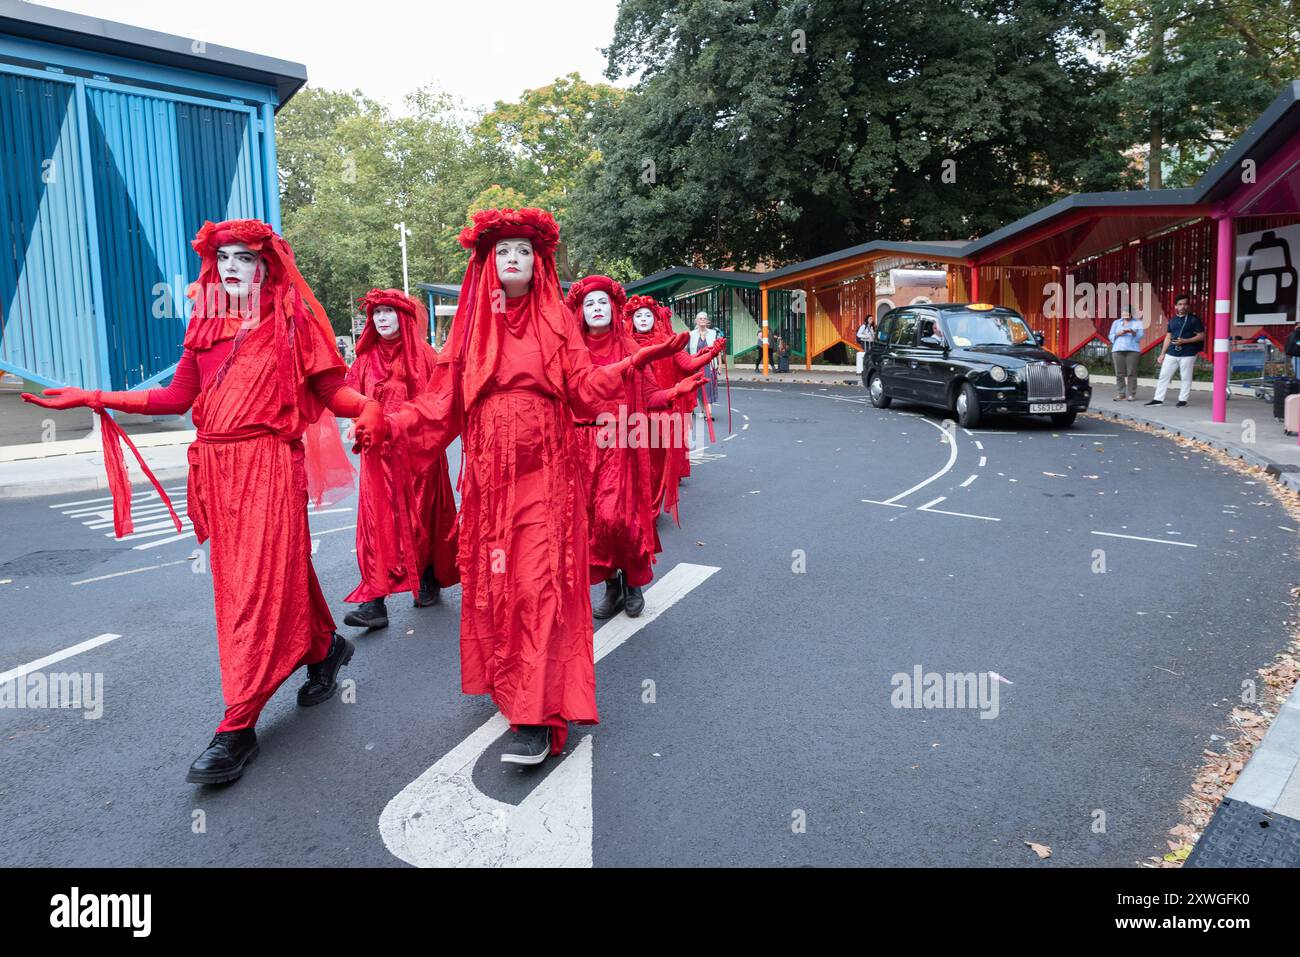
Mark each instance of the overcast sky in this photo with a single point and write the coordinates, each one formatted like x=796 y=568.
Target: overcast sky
x=478 y=51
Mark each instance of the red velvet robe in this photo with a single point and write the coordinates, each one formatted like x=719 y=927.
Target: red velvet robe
x=380 y=373
x=621 y=493
x=247 y=496
x=525 y=628
x=670 y=461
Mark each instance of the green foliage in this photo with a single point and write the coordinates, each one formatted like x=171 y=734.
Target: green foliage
x=1193 y=75
x=766 y=132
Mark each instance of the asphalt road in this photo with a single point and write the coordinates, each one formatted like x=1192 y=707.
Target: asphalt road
x=850 y=545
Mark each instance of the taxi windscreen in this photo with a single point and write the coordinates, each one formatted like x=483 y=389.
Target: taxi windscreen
x=967 y=329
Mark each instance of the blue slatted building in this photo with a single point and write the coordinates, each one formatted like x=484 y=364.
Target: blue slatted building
x=116 y=143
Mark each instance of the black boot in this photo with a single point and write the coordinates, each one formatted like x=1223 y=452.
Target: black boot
x=531 y=745
x=225 y=758
x=371 y=614
x=322 y=677
x=430 y=592
x=634 y=602
x=612 y=603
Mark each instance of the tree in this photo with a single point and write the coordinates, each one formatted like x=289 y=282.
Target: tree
x=549 y=140
x=766 y=132
x=1195 y=74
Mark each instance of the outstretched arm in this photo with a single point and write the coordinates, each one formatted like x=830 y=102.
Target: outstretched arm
x=175 y=399
x=429 y=422
x=689 y=364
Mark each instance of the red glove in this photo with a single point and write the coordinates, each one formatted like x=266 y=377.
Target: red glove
x=660 y=350
x=689 y=385
x=718 y=346
x=68 y=398
x=370 y=428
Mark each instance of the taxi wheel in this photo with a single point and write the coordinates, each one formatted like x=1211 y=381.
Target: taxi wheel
x=876 y=389
x=967 y=406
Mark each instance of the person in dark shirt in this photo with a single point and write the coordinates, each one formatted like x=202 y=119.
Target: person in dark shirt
x=1178 y=351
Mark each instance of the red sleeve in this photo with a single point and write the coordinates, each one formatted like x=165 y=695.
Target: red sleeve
x=335 y=394
x=175 y=399
x=430 y=421
x=590 y=386
x=691 y=364
x=653 y=396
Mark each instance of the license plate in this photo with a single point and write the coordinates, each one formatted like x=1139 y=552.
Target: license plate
x=1046 y=407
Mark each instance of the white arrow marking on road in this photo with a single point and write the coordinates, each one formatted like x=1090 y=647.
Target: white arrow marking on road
x=441 y=819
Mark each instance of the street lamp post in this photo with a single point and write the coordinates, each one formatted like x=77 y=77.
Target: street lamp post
x=403 y=232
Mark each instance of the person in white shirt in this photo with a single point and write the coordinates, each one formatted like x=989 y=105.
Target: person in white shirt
x=702 y=337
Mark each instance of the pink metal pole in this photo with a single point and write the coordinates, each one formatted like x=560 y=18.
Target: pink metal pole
x=1222 y=315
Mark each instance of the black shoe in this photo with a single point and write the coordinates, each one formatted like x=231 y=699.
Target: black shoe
x=322 y=677
x=531 y=745
x=612 y=603
x=430 y=592
x=1155 y=402
x=225 y=758
x=1179 y=404
x=371 y=614
x=633 y=601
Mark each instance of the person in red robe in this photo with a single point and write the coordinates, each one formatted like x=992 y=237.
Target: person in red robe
x=394 y=363
x=259 y=369
x=512 y=378
x=650 y=322
x=617 y=450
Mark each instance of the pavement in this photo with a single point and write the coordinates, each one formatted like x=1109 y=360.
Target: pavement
x=752 y=716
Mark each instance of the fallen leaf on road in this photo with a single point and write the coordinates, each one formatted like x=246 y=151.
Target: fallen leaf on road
x=699 y=543
x=1042 y=850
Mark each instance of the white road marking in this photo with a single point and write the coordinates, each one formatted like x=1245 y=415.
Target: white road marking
x=935 y=501
x=966 y=484
x=341 y=528
x=164 y=541
x=952 y=460
x=939 y=511
x=328 y=511
x=870 y=501
x=983 y=460
x=441 y=819
x=837 y=398
x=133 y=571
x=731 y=436
x=1139 y=538
x=978 y=444
x=40 y=663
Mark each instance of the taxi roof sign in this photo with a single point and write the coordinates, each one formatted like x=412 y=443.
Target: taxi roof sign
x=980 y=306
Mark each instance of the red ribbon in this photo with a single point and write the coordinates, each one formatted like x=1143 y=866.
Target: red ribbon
x=119 y=484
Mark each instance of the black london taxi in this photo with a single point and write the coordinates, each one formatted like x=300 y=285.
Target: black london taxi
x=972 y=359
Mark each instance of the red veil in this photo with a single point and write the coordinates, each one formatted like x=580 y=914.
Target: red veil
x=287 y=301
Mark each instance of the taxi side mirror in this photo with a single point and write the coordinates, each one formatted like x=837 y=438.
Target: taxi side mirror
x=1040 y=338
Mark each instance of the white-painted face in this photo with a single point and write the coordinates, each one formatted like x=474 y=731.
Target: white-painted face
x=643 y=320
x=240 y=270
x=596 y=310
x=702 y=321
x=515 y=265
x=386 y=322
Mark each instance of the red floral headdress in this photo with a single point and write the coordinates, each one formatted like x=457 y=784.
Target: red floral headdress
x=492 y=225
x=417 y=356
x=578 y=292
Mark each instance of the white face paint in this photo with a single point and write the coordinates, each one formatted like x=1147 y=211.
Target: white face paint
x=596 y=310
x=515 y=265
x=643 y=320
x=386 y=322
x=240 y=270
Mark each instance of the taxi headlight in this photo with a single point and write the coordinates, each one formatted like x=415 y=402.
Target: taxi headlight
x=1081 y=372
x=998 y=374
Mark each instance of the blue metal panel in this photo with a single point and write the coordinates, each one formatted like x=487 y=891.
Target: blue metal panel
x=102 y=187
x=46 y=285
x=161 y=168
